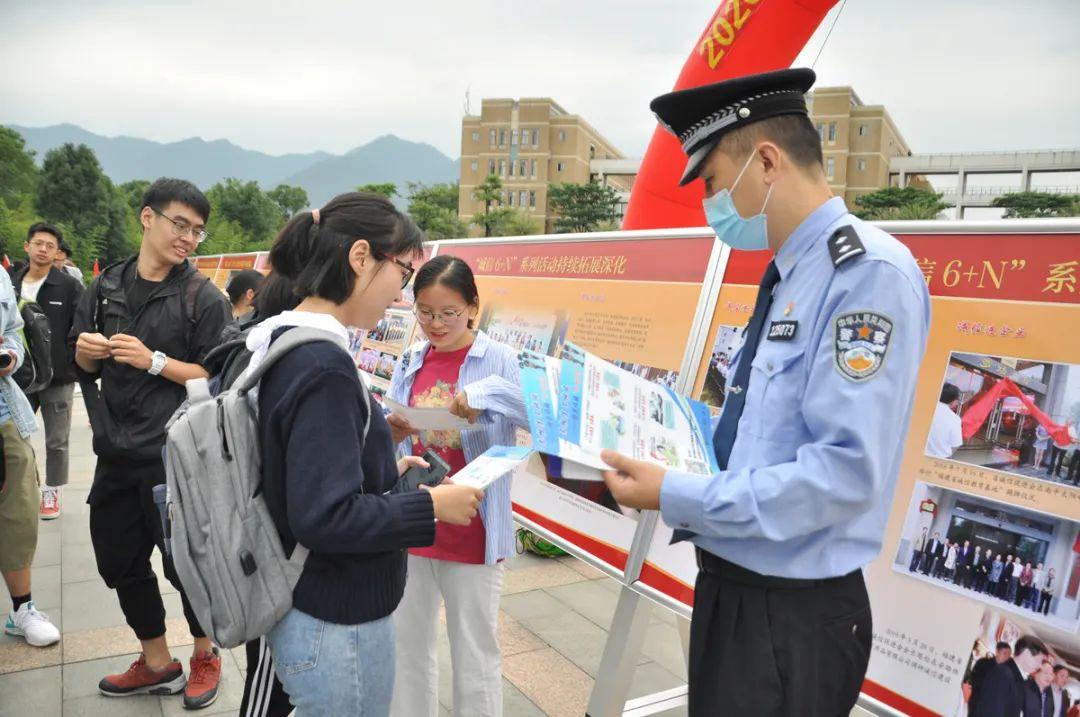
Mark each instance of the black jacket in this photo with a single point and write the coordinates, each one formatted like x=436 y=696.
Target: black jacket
x=58 y=297
x=1036 y=702
x=183 y=318
x=1001 y=692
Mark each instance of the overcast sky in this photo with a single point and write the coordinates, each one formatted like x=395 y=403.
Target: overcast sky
x=289 y=76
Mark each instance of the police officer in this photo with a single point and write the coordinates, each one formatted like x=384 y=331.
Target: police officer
x=812 y=432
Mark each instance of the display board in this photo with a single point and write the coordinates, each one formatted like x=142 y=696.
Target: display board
x=1006 y=333
x=629 y=298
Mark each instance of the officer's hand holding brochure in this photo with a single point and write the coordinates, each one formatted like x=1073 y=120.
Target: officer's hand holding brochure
x=580 y=405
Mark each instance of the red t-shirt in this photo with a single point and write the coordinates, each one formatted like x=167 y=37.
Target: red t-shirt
x=435 y=385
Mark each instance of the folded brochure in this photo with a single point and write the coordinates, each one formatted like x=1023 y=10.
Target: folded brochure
x=579 y=405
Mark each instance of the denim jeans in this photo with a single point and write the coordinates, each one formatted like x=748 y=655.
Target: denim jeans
x=331 y=669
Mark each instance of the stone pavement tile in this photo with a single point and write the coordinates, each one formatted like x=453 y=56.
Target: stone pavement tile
x=34 y=692
x=230 y=692
x=573 y=636
x=582 y=567
x=95 y=644
x=48 y=550
x=79 y=564
x=590 y=599
x=89 y=605
x=16 y=655
x=539 y=576
x=75 y=526
x=550 y=681
x=664 y=647
x=515 y=638
x=515 y=704
x=97 y=706
x=650 y=678
x=533 y=604
x=44 y=587
x=240 y=655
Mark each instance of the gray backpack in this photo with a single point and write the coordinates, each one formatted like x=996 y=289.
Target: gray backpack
x=224 y=544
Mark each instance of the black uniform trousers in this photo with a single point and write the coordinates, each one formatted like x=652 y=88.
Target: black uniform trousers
x=776 y=647
x=125 y=526
x=264 y=695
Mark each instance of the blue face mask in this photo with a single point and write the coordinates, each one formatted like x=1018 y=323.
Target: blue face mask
x=730 y=227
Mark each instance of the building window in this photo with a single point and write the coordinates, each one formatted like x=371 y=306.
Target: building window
x=832 y=133
x=863 y=129
x=592 y=151
x=512 y=167
x=491 y=166
x=475 y=136
x=502 y=167
x=830 y=167
x=558 y=167
x=502 y=197
x=536 y=138
x=524 y=168
x=862 y=165
x=502 y=137
x=514 y=136
x=533 y=172
x=523 y=198
x=511 y=198
x=473 y=165
x=820 y=131
x=562 y=135
x=491 y=138
x=532 y=199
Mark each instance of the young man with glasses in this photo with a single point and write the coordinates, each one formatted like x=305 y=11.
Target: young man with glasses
x=57 y=293
x=143 y=328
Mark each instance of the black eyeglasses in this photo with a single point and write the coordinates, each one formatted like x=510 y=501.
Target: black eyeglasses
x=180 y=228
x=407 y=268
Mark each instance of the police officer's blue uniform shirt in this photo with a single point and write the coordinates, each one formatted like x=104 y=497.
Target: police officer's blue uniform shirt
x=812 y=472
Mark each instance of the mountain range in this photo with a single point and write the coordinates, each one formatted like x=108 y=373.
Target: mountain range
x=323 y=175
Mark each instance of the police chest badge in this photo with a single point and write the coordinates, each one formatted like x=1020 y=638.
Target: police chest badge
x=862 y=342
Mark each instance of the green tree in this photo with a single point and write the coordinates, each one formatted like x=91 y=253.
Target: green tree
x=224 y=237
x=387 y=189
x=510 y=222
x=247 y=205
x=1026 y=205
x=18 y=173
x=489 y=192
x=582 y=207
x=897 y=203
x=74 y=193
x=133 y=192
x=289 y=199
x=434 y=209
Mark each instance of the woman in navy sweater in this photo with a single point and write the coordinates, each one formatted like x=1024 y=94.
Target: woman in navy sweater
x=325 y=482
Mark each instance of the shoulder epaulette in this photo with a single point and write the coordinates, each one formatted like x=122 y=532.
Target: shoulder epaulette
x=845 y=244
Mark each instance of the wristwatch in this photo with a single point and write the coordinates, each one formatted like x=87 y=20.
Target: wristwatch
x=157 y=363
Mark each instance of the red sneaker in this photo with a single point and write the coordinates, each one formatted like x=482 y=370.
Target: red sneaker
x=141 y=680
x=202 y=686
x=50 y=503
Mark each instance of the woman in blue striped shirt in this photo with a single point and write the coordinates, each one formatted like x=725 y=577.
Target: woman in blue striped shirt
x=475 y=376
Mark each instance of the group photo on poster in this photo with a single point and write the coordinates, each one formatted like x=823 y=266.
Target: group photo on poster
x=1016 y=669
x=727 y=342
x=997 y=553
x=1015 y=415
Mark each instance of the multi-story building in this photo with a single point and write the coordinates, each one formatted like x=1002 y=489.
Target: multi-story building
x=529 y=144
x=857 y=141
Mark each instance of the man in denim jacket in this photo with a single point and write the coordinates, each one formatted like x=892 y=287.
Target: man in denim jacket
x=19 y=490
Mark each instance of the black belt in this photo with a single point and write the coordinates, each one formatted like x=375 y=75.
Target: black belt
x=713 y=565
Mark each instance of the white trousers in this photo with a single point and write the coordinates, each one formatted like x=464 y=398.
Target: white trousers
x=471 y=594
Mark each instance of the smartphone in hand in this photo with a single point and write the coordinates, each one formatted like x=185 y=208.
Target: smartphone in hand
x=416 y=476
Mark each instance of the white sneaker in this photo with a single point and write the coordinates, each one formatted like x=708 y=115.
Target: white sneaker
x=33 y=625
x=50 y=503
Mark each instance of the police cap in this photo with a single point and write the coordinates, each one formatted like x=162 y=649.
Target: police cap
x=700 y=116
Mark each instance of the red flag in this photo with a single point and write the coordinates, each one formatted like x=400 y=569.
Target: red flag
x=97 y=269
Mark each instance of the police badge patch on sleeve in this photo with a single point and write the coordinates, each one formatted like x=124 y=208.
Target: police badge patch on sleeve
x=861 y=343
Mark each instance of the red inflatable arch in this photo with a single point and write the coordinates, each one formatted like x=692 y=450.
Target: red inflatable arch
x=741 y=38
